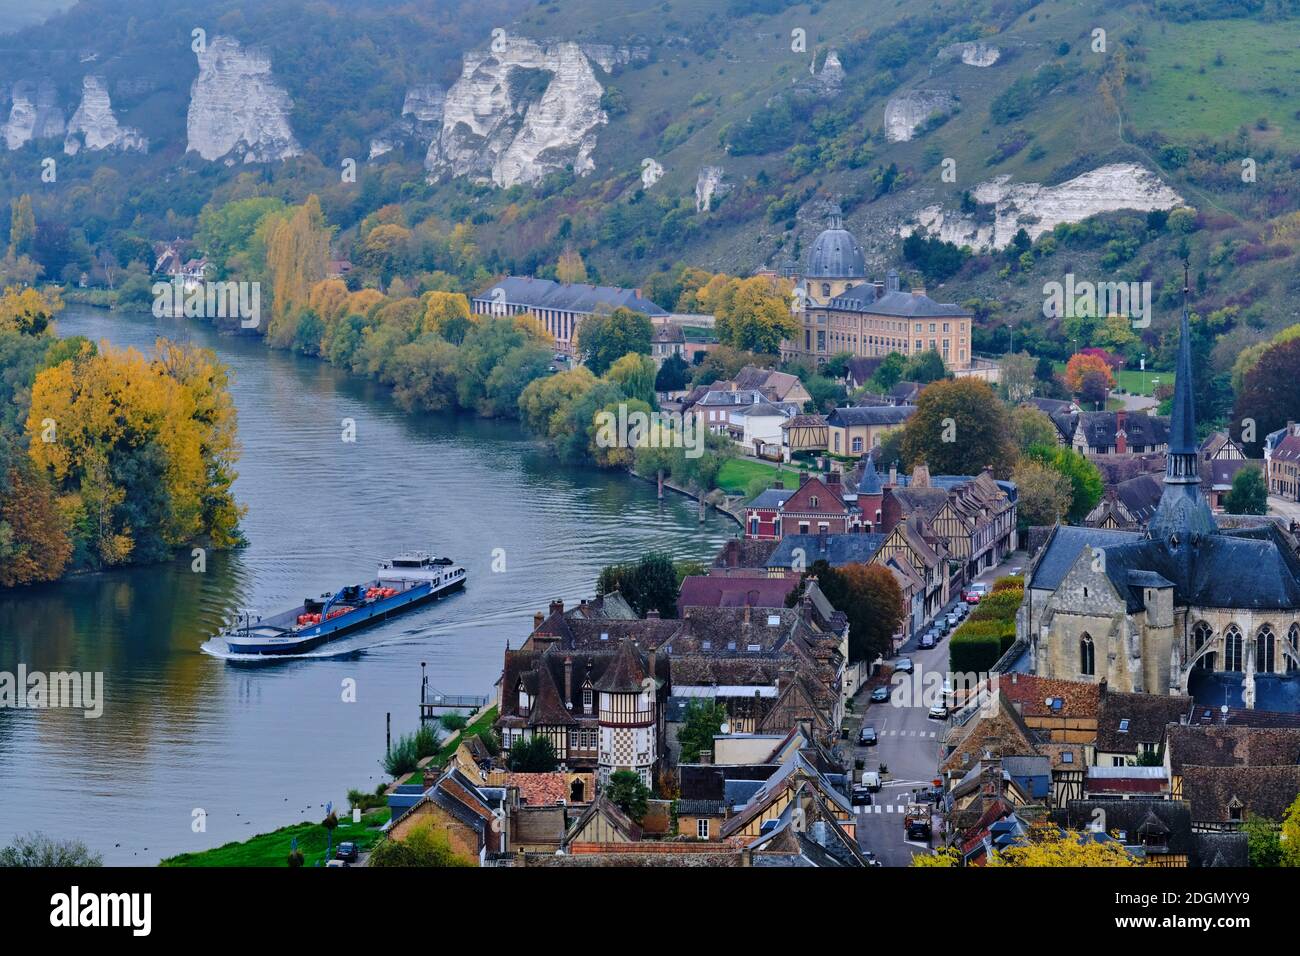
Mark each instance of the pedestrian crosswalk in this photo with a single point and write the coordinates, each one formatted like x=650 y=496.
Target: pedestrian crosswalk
x=908 y=733
x=881 y=808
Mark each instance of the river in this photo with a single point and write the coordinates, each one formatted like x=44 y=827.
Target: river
x=256 y=747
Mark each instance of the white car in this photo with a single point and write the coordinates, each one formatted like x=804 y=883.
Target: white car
x=939 y=711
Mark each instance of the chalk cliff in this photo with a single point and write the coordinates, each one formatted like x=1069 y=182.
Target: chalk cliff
x=519 y=112
x=94 y=127
x=34 y=114
x=976 y=53
x=1038 y=208
x=908 y=112
x=237 y=108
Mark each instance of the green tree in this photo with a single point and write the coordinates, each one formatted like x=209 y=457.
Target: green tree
x=703 y=720
x=604 y=338
x=1085 y=480
x=532 y=755
x=634 y=373
x=1249 y=495
x=1044 y=494
x=960 y=426
x=651 y=584
x=423 y=845
x=924 y=368
x=22 y=226
x=673 y=374
x=1263 y=841
x=626 y=791
x=1032 y=426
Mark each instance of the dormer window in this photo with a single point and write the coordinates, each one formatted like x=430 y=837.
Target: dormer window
x=523 y=698
x=586 y=698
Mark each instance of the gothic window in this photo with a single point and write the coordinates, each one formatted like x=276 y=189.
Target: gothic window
x=576 y=792
x=1293 y=638
x=1234 y=658
x=1201 y=635
x=1087 y=656
x=1264 y=650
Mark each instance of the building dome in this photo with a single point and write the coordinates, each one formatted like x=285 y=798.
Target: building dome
x=835 y=253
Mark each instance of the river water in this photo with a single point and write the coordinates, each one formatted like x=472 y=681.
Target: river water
x=259 y=746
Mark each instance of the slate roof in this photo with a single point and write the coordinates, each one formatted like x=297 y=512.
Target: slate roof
x=1140 y=495
x=1099 y=429
x=626 y=674
x=770 y=498
x=567 y=297
x=1222 y=849
x=866 y=297
x=1148 y=716
x=744 y=553
x=835 y=254
x=874 y=415
x=835 y=549
x=1259 y=791
x=542 y=675
x=1232 y=745
x=1171 y=819
x=1064 y=547
x=1219 y=472
x=861 y=368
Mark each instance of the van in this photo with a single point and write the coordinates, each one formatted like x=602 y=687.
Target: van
x=871 y=780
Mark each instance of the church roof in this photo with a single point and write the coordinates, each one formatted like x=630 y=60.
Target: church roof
x=835 y=253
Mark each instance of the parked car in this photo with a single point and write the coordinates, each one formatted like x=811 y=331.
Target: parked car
x=927 y=641
x=861 y=795
x=347 y=850
x=867 y=737
x=871 y=780
x=1017 y=571
x=939 y=711
x=903 y=664
x=880 y=694
x=337 y=863
x=953 y=619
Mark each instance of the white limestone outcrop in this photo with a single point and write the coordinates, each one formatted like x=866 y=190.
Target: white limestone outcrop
x=34 y=114
x=1038 y=209
x=908 y=112
x=237 y=108
x=708 y=185
x=420 y=122
x=519 y=112
x=974 y=53
x=94 y=127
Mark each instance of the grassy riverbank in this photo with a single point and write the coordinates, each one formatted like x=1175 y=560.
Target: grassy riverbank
x=272 y=849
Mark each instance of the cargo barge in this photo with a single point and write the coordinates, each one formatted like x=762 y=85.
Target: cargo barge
x=402 y=583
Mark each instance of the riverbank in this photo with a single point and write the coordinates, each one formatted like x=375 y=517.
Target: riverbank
x=272 y=849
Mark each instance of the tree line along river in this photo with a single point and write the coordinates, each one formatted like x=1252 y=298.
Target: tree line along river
x=257 y=746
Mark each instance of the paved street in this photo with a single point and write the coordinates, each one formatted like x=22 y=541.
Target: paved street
x=1280 y=506
x=909 y=744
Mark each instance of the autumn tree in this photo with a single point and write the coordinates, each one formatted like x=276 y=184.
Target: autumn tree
x=605 y=337
x=635 y=375
x=960 y=427
x=571 y=268
x=868 y=595
x=28 y=310
x=297 y=256
x=1049 y=846
x=1017 y=379
x=1032 y=426
x=447 y=315
x=757 y=316
x=1080 y=366
x=22 y=226
x=34 y=541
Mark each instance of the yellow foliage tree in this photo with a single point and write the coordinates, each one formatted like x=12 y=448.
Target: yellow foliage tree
x=297 y=256
x=441 y=308
x=1051 y=846
x=28 y=310
x=571 y=268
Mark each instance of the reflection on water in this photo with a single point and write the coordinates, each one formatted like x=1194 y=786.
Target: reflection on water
x=260 y=746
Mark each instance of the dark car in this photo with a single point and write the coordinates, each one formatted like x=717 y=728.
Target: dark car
x=903 y=664
x=927 y=642
x=880 y=694
x=867 y=737
x=346 y=851
x=861 y=795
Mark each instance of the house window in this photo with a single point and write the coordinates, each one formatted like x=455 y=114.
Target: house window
x=1067 y=756
x=586 y=699
x=803 y=527
x=702 y=828
x=1087 y=656
x=857 y=445
x=812 y=502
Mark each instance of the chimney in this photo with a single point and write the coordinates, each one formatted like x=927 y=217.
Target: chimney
x=1291 y=428
x=921 y=475
x=557 y=607
x=568 y=682
x=893 y=474
x=538 y=618
x=652 y=614
x=1121 y=439
x=833 y=479
x=803 y=478
x=880 y=287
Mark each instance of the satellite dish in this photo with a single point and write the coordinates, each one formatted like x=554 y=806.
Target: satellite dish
x=726 y=727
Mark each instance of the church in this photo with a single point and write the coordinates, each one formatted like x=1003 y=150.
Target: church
x=1184 y=607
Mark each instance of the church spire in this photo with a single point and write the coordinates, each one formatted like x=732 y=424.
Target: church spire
x=1182 y=426
x=1183 y=516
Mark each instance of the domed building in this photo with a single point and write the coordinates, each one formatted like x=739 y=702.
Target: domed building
x=841 y=310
